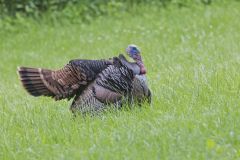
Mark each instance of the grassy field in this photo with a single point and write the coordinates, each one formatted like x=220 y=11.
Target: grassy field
x=193 y=58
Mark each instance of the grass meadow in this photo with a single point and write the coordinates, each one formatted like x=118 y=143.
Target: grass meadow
x=192 y=55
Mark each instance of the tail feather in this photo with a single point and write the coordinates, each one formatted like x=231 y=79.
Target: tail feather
x=32 y=81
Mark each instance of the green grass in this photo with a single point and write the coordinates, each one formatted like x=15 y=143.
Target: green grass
x=193 y=60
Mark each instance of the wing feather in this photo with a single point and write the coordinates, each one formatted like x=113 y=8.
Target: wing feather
x=62 y=83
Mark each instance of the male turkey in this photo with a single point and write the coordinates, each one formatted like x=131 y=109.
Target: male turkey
x=72 y=79
x=118 y=83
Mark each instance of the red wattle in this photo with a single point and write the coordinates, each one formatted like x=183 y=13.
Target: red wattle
x=143 y=70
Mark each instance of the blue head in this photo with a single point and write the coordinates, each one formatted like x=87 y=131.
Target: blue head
x=134 y=52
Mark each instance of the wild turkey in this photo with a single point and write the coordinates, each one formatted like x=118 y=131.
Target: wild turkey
x=72 y=79
x=117 y=83
x=76 y=78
